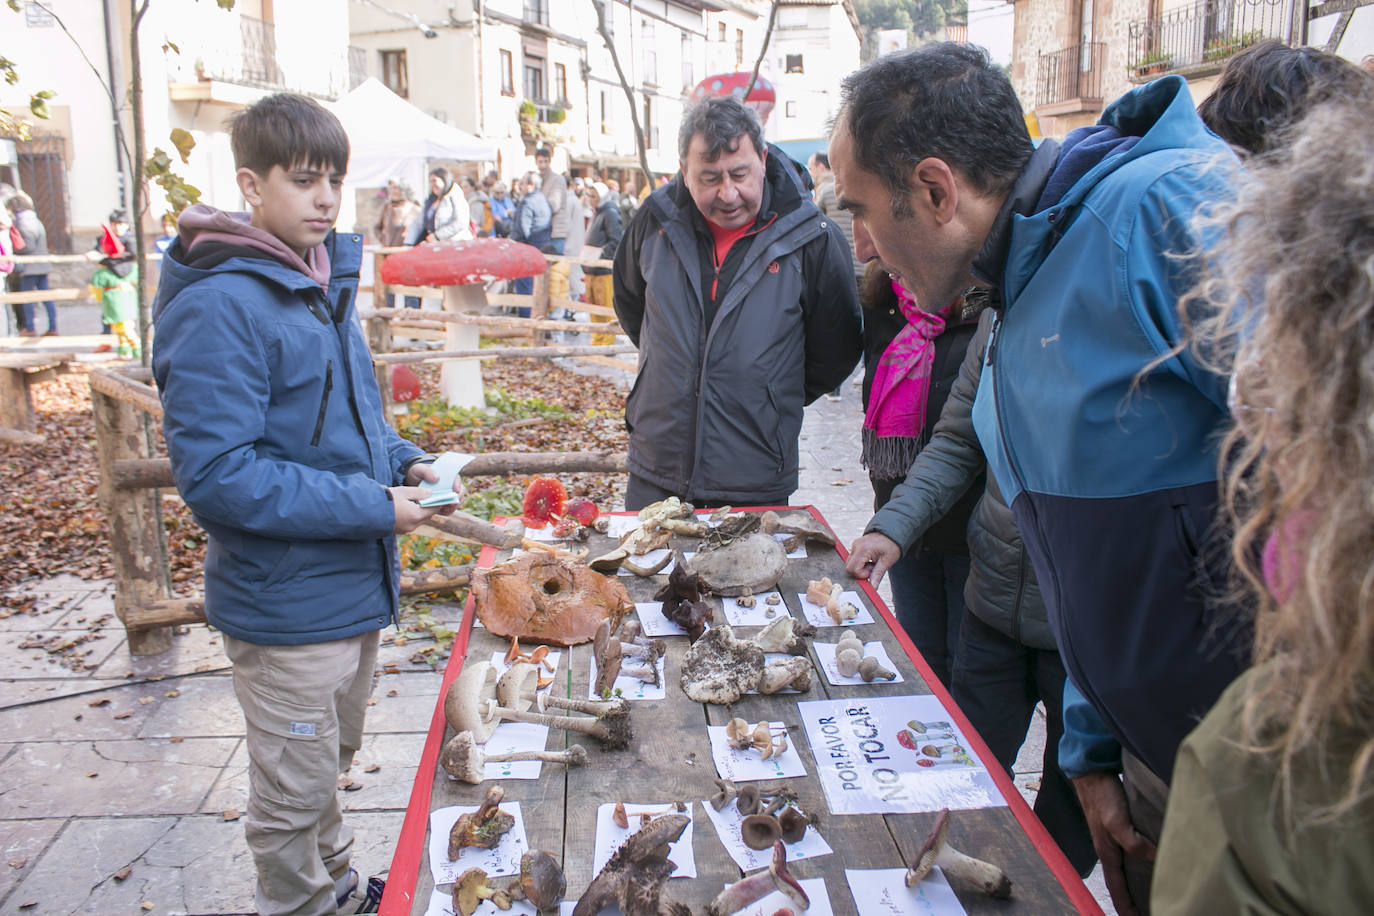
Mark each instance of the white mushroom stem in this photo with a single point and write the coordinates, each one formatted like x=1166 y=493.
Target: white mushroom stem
x=987 y=877
x=612 y=730
x=755 y=887
x=464 y=759
x=598 y=708
x=461 y=379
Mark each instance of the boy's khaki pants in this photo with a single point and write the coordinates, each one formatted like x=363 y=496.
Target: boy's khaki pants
x=304 y=707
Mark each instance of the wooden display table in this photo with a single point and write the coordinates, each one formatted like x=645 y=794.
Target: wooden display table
x=670 y=760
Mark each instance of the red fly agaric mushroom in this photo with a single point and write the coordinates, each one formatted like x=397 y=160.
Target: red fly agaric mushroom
x=987 y=877
x=463 y=268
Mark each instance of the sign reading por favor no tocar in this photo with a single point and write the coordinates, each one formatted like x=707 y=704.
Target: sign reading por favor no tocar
x=886 y=755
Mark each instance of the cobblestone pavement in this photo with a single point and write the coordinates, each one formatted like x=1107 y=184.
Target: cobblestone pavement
x=121 y=778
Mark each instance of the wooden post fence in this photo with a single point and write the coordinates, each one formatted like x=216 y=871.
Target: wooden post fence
x=130 y=480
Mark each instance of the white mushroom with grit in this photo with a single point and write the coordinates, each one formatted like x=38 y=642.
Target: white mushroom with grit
x=936 y=850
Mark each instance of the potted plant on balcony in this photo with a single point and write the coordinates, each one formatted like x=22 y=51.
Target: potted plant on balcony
x=1220 y=47
x=528 y=116
x=1154 y=62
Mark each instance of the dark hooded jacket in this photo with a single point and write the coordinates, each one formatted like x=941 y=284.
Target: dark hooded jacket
x=276 y=433
x=716 y=409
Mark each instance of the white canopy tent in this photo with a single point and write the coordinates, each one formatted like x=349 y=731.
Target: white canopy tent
x=391 y=138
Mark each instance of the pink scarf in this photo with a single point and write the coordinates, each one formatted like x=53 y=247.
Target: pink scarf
x=896 y=412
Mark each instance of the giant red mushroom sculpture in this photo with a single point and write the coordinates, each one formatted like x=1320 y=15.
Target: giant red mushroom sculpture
x=463 y=268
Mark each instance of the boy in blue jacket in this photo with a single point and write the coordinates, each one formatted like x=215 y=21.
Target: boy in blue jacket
x=279 y=445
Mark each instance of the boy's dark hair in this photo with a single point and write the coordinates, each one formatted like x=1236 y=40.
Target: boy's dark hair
x=1266 y=88
x=822 y=158
x=287 y=130
x=119 y=216
x=545 y=151
x=721 y=121
x=945 y=100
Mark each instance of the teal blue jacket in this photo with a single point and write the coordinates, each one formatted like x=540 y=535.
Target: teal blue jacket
x=1110 y=467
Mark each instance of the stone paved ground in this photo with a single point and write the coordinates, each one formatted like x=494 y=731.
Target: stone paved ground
x=139 y=764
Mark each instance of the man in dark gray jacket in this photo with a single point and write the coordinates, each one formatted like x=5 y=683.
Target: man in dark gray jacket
x=1006 y=660
x=740 y=296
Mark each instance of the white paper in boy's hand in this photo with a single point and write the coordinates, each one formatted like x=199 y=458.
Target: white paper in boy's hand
x=447 y=467
x=652 y=621
x=825 y=654
x=815 y=893
x=816 y=614
x=747 y=765
x=503 y=860
x=610 y=837
x=441 y=904
x=727 y=823
x=883 y=891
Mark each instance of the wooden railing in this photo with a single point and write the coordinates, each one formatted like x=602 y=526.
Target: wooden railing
x=125 y=403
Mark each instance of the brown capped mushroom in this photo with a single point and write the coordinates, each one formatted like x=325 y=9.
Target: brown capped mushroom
x=793 y=823
x=987 y=877
x=541 y=881
x=471 y=888
x=725 y=795
x=607 y=652
x=633 y=877
x=482 y=828
x=760 y=831
x=870 y=669
x=471 y=705
x=463 y=758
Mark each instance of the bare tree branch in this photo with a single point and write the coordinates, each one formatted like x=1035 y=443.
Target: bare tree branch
x=640 y=145
x=767 y=36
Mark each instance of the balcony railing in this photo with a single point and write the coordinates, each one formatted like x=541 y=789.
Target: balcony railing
x=250 y=62
x=1204 y=33
x=1071 y=74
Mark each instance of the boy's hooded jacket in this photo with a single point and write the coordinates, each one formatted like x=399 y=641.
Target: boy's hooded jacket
x=729 y=358
x=276 y=432
x=1110 y=468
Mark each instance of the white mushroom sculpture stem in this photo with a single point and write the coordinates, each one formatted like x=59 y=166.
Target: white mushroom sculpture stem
x=463 y=268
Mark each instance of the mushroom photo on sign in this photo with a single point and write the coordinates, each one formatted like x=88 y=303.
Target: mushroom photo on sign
x=746 y=765
x=617 y=821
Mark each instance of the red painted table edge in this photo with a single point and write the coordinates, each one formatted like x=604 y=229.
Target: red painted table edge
x=398 y=900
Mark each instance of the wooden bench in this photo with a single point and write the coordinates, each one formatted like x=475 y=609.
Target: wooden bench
x=18 y=373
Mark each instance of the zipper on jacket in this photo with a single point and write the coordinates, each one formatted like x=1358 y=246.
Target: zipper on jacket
x=324 y=402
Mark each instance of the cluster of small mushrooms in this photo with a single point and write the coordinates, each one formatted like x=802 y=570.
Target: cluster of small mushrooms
x=552 y=596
